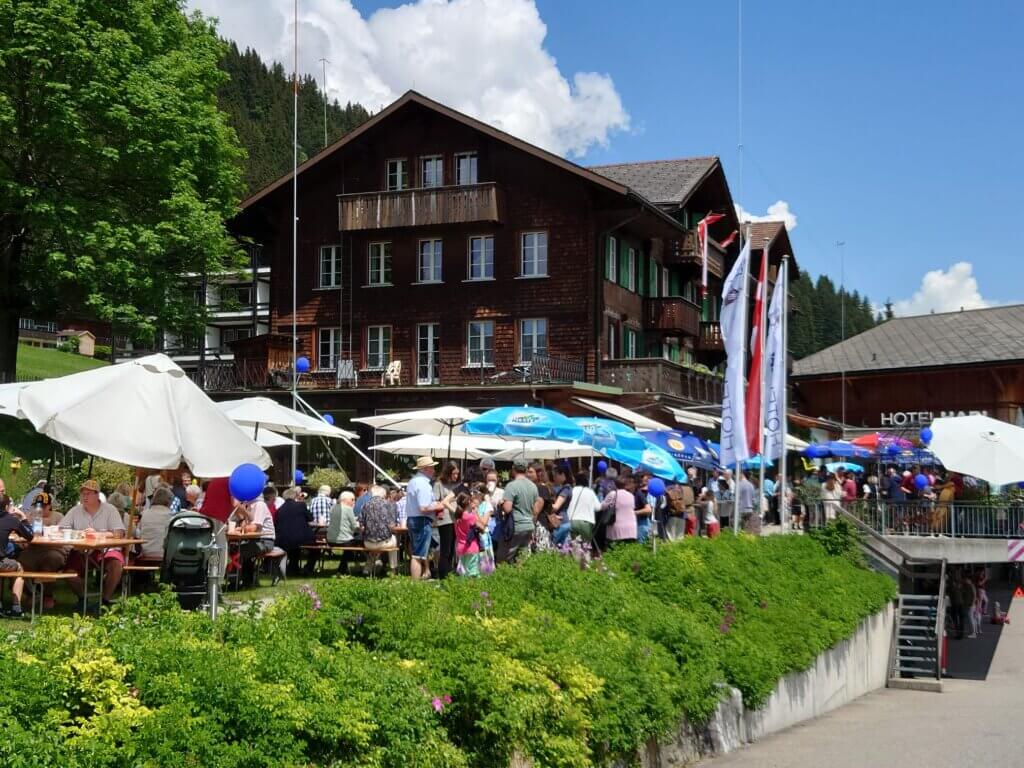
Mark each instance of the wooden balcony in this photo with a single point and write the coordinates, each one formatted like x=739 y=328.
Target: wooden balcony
x=687 y=252
x=710 y=339
x=420 y=207
x=656 y=376
x=672 y=314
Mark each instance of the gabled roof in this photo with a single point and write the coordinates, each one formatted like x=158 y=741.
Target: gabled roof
x=765 y=230
x=666 y=182
x=994 y=335
x=412 y=97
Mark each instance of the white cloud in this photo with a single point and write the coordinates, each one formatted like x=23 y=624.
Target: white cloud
x=944 y=291
x=777 y=211
x=482 y=57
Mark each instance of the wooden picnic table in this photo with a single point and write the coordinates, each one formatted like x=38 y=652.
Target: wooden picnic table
x=86 y=546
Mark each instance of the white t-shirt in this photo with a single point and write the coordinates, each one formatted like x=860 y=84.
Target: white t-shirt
x=583 y=505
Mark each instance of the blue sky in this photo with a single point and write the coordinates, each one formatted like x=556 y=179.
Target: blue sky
x=893 y=127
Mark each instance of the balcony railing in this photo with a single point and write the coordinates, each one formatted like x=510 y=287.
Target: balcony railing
x=672 y=314
x=655 y=375
x=687 y=251
x=545 y=369
x=262 y=308
x=710 y=339
x=461 y=204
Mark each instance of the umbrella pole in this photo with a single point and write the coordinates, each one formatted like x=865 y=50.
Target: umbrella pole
x=90 y=465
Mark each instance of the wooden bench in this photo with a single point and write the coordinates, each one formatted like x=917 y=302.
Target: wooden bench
x=139 y=566
x=276 y=555
x=371 y=554
x=37 y=579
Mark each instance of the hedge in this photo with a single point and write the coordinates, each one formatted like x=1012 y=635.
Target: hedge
x=568 y=663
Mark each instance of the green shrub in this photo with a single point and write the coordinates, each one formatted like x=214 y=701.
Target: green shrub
x=570 y=665
x=840 y=538
x=336 y=478
x=102 y=352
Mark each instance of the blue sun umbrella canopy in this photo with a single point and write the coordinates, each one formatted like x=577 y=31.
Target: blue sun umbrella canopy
x=754 y=462
x=651 y=459
x=606 y=433
x=838 y=448
x=524 y=422
x=684 y=448
x=846 y=466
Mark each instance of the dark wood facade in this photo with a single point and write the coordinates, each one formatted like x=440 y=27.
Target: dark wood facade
x=909 y=399
x=344 y=201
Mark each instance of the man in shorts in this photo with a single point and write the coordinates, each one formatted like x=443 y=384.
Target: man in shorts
x=421 y=510
x=521 y=506
x=94 y=516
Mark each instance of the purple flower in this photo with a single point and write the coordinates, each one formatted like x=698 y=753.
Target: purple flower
x=485 y=594
x=447 y=699
x=723 y=628
x=475 y=607
x=436 y=704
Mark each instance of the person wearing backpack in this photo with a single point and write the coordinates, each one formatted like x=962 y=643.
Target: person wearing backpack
x=680 y=506
x=582 y=510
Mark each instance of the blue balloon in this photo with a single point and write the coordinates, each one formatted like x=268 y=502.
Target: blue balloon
x=328 y=418
x=299 y=477
x=926 y=435
x=656 y=487
x=247 y=482
x=921 y=482
x=893 y=449
x=602 y=466
x=1021 y=484
x=302 y=365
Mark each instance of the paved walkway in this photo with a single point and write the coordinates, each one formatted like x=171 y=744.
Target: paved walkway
x=971 y=723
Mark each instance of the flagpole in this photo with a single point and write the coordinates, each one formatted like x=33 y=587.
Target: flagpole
x=295 y=230
x=783 y=498
x=761 y=338
x=743 y=357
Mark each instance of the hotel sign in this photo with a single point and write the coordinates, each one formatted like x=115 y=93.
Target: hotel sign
x=920 y=418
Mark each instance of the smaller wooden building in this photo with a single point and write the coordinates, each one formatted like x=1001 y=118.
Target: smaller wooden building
x=904 y=373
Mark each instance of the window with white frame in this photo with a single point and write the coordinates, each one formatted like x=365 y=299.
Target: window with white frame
x=480 y=343
x=481 y=258
x=629 y=343
x=432 y=171
x=378 y=347
x=397 y=174
x=465 y=168
x=330 y=266
x=612 y=270
x=631 y=269
x=428 y=263
x=533 y=338
x=428 y=353
x=328 y=348
x=379 y=272
x=534 y=254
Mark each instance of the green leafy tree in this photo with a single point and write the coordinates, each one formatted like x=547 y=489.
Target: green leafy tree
x=117 y=169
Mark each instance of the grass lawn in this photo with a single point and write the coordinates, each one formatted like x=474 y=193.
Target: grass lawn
x=40 y=363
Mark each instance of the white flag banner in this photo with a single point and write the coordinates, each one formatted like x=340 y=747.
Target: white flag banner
x=733 y=321
x=775 y=376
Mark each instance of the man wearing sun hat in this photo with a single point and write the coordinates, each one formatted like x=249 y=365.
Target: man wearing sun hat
x=94 y=516
x=421 y=510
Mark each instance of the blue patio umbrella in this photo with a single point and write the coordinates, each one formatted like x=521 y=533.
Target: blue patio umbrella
x=838 y=448
x=606 y=433
x=684 y=448
x=754 y=462
x=651 y=459
x=846 y=466
x=524 y=422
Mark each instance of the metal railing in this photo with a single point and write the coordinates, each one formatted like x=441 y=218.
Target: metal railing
x=951 y=519
x=547 y=369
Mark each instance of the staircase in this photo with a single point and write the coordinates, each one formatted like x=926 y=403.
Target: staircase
x=915 y=653
x=917 y=647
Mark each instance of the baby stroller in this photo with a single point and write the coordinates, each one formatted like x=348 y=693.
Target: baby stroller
x=186 y=557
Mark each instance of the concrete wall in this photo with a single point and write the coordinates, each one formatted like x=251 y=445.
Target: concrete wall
x=955 y=550
x=852 y=668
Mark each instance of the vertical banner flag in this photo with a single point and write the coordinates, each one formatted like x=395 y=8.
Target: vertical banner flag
x=703 y=237
x=756 y=360
x=775 y=380
x=734 y=334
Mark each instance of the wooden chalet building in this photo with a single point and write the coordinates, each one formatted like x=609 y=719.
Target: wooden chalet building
x=491 y=271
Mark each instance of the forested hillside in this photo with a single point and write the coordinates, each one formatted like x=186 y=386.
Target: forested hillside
x=817 y=308
x=258 y=102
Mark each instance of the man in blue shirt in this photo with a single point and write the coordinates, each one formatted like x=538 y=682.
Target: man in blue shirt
x=421 y=509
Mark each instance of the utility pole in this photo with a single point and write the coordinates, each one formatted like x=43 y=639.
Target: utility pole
x=325 y=62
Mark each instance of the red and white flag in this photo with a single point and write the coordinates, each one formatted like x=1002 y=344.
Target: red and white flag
x=703 y=237
x=753 y=410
